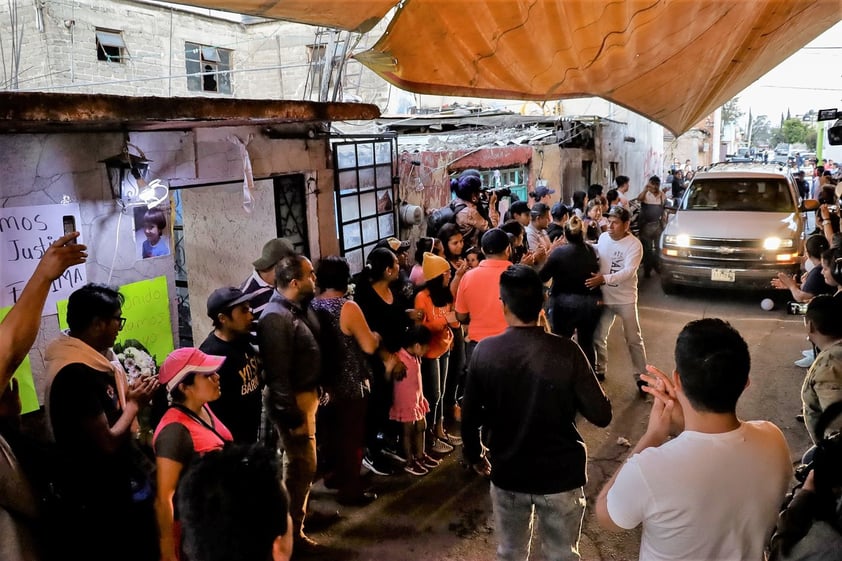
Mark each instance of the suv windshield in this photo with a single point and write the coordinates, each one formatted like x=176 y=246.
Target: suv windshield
x=749 y=194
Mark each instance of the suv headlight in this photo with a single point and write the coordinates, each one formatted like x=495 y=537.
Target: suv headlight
x=774 y=243
x=680 y=240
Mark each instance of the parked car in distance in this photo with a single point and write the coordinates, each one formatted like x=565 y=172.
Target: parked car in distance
x=736 y=226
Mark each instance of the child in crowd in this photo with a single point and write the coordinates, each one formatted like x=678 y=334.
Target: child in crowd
x=422 y=246
x=473 y=256
x=593 y=228
x=409 y=405
x=436 y=301
x=154 y=224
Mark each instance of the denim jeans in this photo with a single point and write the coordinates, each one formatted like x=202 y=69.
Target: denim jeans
x=433 y=381
x=631 y=330
x=559 y=523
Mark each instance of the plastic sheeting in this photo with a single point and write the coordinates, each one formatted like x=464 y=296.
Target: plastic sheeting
x=673 y=61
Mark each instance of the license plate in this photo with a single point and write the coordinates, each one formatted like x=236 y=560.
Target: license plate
x=722 y=275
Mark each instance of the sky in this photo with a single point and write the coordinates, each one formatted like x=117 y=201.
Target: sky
x=809 y=79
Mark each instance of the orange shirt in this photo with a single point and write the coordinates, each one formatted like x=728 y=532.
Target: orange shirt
x=479 y=296
x=436 y=321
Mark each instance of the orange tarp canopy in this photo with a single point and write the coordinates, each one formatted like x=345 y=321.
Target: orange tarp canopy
x=673 y=61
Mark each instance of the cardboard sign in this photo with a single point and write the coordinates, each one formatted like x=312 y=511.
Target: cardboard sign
x=25 y=234
x=26 y=385
x=147 y=313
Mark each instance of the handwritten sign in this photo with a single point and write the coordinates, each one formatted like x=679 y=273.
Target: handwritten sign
x=147 y=313
x=25 y=234
x=26 y=385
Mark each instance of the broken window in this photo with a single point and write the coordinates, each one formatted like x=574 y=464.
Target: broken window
x=208 y=68
x=110 y=46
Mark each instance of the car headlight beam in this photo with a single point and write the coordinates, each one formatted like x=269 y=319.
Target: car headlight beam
x=772 y=243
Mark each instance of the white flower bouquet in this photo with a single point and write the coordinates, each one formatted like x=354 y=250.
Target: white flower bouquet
x=136 y=360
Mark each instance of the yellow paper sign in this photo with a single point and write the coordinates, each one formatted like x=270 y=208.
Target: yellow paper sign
x=26 y=385
x=147 y=313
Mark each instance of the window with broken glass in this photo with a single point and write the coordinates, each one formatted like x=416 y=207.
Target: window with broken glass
x=208 y=68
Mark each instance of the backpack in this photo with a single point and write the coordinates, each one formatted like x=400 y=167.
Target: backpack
x=441 y=216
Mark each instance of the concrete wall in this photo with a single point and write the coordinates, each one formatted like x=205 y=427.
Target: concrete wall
x=269 y=60
x=636 y=144
x=222 y=239
x=41 y=170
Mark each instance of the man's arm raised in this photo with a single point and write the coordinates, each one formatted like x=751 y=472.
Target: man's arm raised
x=19 y=329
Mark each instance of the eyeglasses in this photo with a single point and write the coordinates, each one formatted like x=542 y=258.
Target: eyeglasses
x=122 y=321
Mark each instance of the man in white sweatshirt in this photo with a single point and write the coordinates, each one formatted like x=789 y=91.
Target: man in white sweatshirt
x=620 y=254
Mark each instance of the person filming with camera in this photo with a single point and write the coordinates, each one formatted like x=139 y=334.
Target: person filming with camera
x=823 y=383
x=473 y=218
x=810 y=523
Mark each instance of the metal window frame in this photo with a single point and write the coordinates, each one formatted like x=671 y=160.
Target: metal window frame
x=341 y=222
x=111 y=38
x=195 y=52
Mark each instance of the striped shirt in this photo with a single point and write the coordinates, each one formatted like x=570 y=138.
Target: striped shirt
x=262 y=293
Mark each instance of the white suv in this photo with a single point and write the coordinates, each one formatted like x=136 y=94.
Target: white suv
x=735 y=226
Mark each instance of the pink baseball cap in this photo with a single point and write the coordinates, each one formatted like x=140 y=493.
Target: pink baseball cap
x=182 y=362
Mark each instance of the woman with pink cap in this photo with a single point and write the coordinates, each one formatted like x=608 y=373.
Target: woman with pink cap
x=188 y=429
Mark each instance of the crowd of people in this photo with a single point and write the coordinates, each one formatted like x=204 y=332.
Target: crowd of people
x=500 y=328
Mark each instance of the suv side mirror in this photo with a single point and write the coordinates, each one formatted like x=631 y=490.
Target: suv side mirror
x=808 y=205
x=671 y=205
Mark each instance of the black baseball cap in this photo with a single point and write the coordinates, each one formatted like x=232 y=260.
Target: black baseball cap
x=620 y=212
x=225 y=298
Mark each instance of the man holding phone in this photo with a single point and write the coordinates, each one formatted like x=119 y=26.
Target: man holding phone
x=17 y=334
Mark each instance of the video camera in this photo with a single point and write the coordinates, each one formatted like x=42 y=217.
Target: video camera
x=499 y=191
x=834 y=132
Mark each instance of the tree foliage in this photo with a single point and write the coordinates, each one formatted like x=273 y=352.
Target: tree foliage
x=794 y=131
x=731 y=111
x=761 y=130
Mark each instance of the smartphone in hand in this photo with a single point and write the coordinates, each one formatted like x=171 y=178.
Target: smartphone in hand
x=69 y=223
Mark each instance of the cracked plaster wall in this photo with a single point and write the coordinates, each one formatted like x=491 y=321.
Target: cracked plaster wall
x=41 y=169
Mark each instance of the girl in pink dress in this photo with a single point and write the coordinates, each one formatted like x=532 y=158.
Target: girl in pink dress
x=409 y=405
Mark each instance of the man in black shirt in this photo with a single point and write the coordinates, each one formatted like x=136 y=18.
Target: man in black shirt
x=239 y=405
x=288 y=335
x=91 y=408
x=524 y=389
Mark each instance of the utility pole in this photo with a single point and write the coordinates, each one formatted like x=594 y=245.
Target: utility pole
x=749 y=129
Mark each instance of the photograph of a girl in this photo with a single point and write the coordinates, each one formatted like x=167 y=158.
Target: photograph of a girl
x=151 y=234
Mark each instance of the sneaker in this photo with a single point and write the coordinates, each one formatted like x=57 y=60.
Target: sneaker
x=809 y=352
x=452 y=439
x=805 y=362
x=415 y=468
x=440 y=447
x=393 y=454
x=428 y=461
x=377 y=466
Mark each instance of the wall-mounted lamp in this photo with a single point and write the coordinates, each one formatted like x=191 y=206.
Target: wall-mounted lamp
x=124 y=169
x=127 y=177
